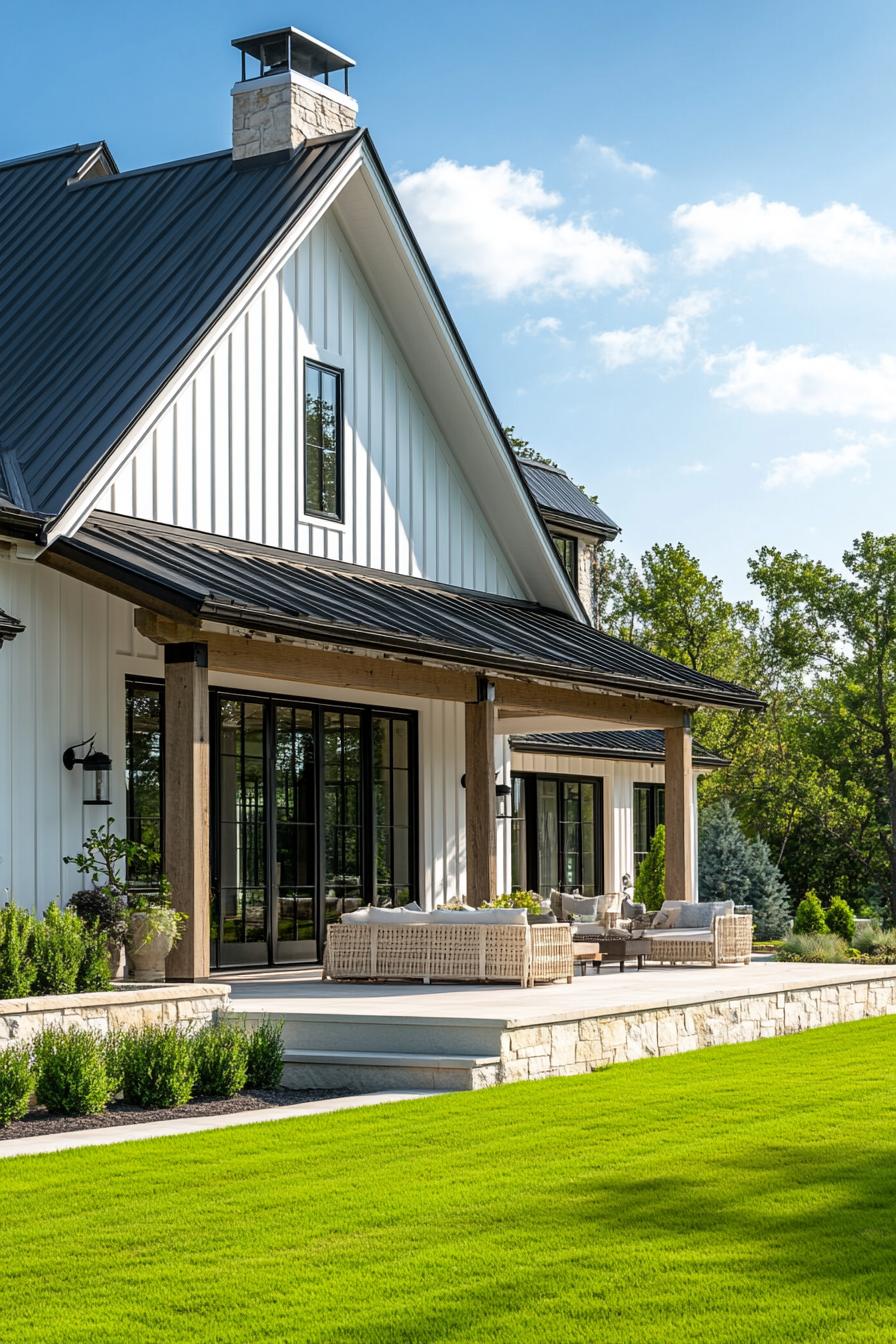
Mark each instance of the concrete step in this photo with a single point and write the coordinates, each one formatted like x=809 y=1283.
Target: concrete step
x=376 y=1070
x=385 y=1032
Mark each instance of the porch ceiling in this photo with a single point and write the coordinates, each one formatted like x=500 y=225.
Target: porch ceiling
x=274 y=592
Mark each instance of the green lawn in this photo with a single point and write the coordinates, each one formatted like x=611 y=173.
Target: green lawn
x=734 y=1195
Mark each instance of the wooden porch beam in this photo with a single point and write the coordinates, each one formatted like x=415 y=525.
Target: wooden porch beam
x=186 y=795
x=244 y=655
x=516 y=697
x=679 y=776
x=479 y=799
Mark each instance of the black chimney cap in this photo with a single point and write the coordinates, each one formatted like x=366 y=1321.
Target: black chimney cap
x=291 y=49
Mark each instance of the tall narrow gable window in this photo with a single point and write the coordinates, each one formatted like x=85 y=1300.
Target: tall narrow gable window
x=323 y=441
x=568 y=550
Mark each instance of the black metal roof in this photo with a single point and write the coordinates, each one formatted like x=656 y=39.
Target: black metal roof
x=107 y=282
x=9 y=626
x=561 y=501
x=276 y=591
x=642 y=744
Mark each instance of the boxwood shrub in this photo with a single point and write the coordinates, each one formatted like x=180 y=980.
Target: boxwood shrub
x=265 y=1062
x=221 y=1053
x=72 y=1074
x=16 y=1083
x=157 y=1066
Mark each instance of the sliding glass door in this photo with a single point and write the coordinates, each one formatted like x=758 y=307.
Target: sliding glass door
x=557 y=834
x=314 y=814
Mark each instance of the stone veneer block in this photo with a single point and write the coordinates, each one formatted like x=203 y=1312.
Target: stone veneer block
x=588 y=1043
x=280 y=112
x=23 y=1019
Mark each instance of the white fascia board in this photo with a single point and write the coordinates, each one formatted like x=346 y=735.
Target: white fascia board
x=83 y=502
x=387 y=256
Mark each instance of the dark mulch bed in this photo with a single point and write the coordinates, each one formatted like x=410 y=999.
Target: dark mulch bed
x=40 y=1121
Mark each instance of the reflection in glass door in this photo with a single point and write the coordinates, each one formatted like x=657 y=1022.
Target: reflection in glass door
x=314 y=816
x=556 y=835
x=241 y=925
x=343 y=814
x=294 y=883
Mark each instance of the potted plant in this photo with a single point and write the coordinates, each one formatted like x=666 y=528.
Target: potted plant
x=154 y=926
x=147 y=924
x=529 y=901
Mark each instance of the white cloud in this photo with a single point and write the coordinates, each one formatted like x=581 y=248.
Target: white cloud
x=536 y=326
x=667 y=342
x=804 y=469
x=795 y=379
x=606 y=154
x=497 y=226
x=693 y=468
x=839 y=235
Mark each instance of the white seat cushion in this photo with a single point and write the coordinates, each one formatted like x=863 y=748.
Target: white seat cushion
x=679 y=935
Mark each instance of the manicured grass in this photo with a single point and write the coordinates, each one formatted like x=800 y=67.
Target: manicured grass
x=735 y=1196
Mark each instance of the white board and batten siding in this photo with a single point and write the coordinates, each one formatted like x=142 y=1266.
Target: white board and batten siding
x=619 y=779
x=224 y=454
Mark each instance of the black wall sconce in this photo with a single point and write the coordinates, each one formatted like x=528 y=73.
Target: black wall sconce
x=502 y=793
x=95 y=766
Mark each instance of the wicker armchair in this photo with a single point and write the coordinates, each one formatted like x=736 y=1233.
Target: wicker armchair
x=723 y=939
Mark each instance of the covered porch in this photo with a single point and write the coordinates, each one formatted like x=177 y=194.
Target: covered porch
x=251 y=615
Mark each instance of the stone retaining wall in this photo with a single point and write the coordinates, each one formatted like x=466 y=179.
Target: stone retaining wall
x=22 y=1019
x=584 y=1044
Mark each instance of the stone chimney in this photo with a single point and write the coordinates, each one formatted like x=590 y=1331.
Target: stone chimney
x=288 y=98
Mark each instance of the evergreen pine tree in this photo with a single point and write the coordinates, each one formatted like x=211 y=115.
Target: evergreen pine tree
x=650 y=883
x=769 y=896
x=724 y=858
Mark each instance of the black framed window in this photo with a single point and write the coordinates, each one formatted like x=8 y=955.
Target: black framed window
x=648 y=812
x=568 y=550
x=144 y=708
x=343 y=812
x=392 y=809
x=314 y=814
x=242 y=821
x=323 y=440
x=557 y=834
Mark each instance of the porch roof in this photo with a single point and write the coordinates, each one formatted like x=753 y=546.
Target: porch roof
x=279 y=592
x=642 y=744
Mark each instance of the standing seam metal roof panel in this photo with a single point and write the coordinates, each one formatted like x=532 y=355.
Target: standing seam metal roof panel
x=555 y=493
x=639 y=744
x=278 y=591
x=106 y=284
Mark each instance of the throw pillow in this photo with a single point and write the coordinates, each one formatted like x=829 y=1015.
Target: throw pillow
x=583 y=906
x=660 y=920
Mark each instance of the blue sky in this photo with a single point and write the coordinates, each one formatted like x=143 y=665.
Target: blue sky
x=666 y=231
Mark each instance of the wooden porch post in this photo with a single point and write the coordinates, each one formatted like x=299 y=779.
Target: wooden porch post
x=679 y=813
x=187 y=849
x=481 y=828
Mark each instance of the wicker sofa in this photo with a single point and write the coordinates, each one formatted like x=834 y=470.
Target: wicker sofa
x=444 y=945
x=702 y=931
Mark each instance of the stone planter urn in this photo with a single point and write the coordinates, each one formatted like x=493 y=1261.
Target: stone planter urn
x=147 y=947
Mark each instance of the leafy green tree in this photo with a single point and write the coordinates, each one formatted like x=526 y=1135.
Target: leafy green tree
x=650 y=882
x=836 y=632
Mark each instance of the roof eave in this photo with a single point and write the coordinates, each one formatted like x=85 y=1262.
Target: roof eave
x=151 y=589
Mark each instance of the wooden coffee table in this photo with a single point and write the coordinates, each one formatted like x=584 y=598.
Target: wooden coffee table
x=610 y=948
x=585 y=955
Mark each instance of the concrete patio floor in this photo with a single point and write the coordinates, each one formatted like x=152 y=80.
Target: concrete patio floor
x=300 y=993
